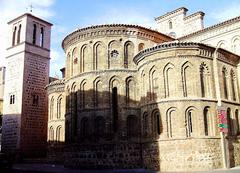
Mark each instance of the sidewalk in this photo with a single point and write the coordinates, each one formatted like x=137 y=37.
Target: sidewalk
x=48 y=168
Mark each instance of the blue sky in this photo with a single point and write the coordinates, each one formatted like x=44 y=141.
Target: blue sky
x=68 y=15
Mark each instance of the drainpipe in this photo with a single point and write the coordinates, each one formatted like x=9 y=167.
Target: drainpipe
x=224 y=141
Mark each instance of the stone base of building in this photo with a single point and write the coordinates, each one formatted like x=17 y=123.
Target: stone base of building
x=234 y=151
x=55 y=153
x=103 y=156
x=189 y=154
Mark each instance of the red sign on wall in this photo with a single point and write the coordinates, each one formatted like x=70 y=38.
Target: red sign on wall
x=222 y=120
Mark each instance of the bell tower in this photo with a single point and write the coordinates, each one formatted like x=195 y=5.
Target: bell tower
x=25 y=97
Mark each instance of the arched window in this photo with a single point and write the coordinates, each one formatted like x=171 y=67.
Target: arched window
x=205 y=80
x=230 y=122
x=41 y=37
x=68 y=100
x=12 y=99
x=224 y=80
x=113 y=52
x=35 y=99
x=145 y=124
x=98 y=93
x=83 y=58
x=172 y=34
x=99 y=56
x=115 y=108
x=222 y=44
x=82 y=93
x=236 y=45
x=170 y=24
x=187 y=81
x=130 y=92
x=68 y=64
x=206 y=120
x=14 y=36
x=59 y=137
x=233 y=80
x=132 y=125
x=34 y=34
x=51 y=108
x=74 y=62
x=140 y=46
x=156 y=124
x=144 y=88
x=74 y=109
x=168 y=73
x=99 y=126
x=19 y=34
x=237 y=121
x=128 y=53
x=127 y=92
x=67 y=131
x=202 y=82
x=172 y=123
x=84 y=127
x=59 y=105
x=51 y=134
x=154 y=83
x=189 y=120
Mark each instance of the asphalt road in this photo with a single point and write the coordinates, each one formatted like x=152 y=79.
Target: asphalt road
x=48 y=168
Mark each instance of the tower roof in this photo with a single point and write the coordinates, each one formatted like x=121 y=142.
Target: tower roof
x=182 y=9
x=30 y=15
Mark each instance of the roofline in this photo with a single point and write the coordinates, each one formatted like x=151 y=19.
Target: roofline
x=213 y=27
x=175 y=44
x=195 y=14
x=28 y=14
x=112 y=25
x=172 y=12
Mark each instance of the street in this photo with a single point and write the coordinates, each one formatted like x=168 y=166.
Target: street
x=48 y=168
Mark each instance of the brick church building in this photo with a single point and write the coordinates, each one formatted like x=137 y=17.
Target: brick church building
x=131 y=97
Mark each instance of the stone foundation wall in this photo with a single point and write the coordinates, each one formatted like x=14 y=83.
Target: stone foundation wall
x=150 y=155
x=190 y=154
x=104 y=156
x=234 y=151
x=55 y=153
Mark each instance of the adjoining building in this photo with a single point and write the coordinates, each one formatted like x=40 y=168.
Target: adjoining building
x=185 y=27
x=133 y=98
x=2 y=83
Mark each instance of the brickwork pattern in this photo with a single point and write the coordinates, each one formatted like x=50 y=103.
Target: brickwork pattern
x=161 y=104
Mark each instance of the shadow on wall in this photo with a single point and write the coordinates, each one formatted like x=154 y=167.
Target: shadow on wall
x=233 y=143
x=103 y=130
x=55 y=152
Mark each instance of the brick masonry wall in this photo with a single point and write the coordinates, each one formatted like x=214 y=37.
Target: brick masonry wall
x=34 y=116
x=167 y=88
x=191 y=154
x=90 y=156
x=234 y=151
x=150 y=155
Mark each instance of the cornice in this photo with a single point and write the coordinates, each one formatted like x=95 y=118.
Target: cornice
x=113 y=29
x=56 y=83
x=199 y=13
x=29 y=15
x=227 y=22
x=172 y=12
x=165 y=46
x=205 y=50
x=100 y=72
